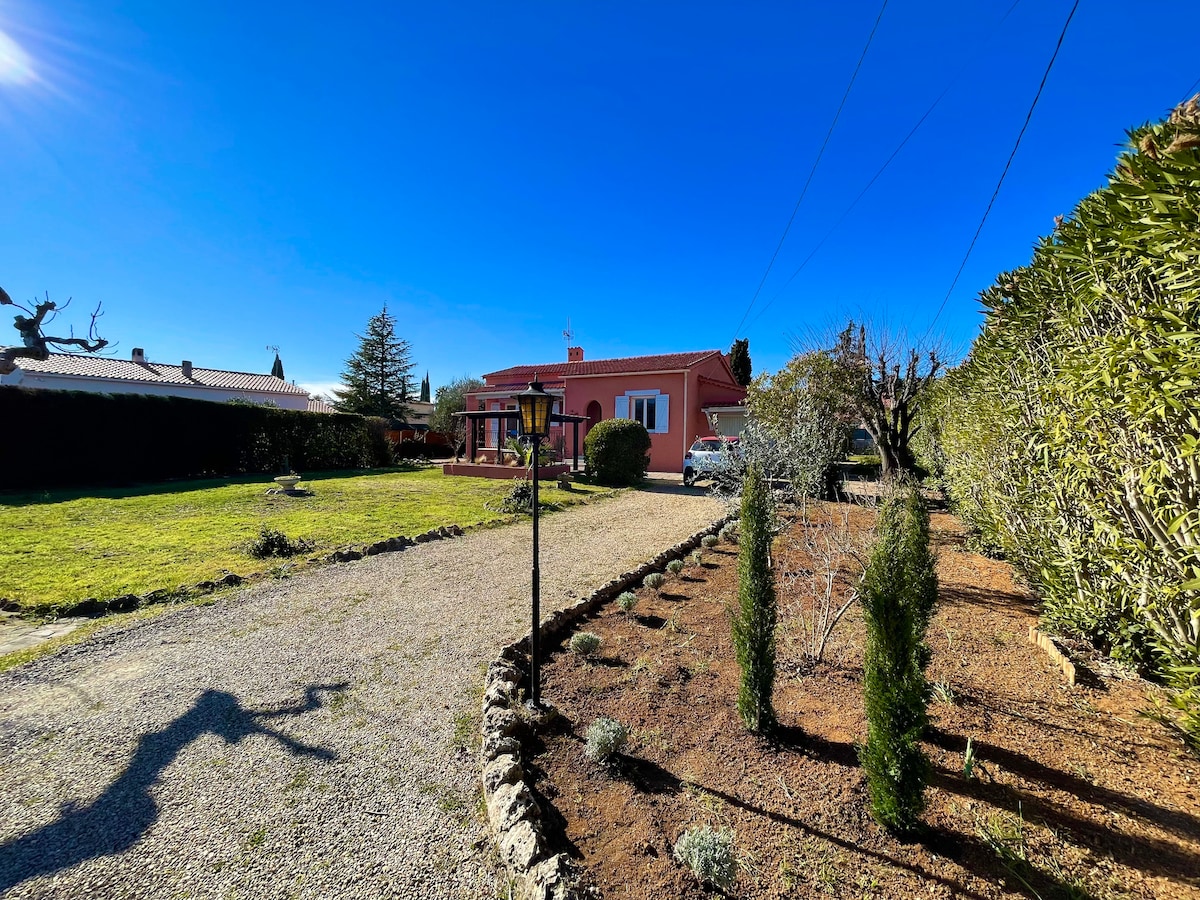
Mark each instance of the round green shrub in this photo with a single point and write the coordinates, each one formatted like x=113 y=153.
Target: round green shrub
x=709 y=541
x=675 y=566
x=627 y=601
x=654 y=581
x=585 y=643
x=617 y=451
x=605 y=737
x=709 y=853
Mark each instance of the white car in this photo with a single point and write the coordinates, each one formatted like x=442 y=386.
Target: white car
x=706 y=457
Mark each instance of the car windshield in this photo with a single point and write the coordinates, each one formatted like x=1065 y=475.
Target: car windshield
x=712 y=444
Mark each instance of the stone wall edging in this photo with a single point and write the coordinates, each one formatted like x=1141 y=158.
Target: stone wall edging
x=520 y=834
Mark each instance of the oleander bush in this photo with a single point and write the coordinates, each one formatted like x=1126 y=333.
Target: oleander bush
x=1070 y=437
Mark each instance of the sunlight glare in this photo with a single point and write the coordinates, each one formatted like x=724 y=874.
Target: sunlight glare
x=16 y=66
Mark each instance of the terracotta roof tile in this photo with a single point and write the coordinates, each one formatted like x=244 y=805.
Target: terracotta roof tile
x=156 y=373
x=620 y=366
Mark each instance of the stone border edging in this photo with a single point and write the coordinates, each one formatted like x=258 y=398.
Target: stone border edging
x=514 y=814
x=1047 y=643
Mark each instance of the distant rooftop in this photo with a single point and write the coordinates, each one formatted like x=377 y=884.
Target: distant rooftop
x=105 y=367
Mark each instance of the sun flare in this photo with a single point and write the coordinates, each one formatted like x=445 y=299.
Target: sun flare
x=16 y=66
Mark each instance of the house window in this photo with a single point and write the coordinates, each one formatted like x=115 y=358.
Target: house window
x=648 y=407
x=643 y=411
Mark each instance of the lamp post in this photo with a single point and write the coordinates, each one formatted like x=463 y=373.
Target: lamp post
x=535 y=406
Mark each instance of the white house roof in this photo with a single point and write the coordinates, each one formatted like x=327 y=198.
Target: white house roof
x=104 y=367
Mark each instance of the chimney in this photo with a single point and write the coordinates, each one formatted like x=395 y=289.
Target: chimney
x=574 y=354
x=187 y=368
x=139 y=355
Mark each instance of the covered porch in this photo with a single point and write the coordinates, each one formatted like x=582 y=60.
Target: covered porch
x=498 y=461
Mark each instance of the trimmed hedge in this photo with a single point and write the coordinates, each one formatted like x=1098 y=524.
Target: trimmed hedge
x=1070 y=436
x=74 y=439
x=617 y=451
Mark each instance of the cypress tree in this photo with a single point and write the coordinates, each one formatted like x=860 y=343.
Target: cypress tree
x=739 y=361
x=899 y=589
x=755 y=617
x=277 y=367
x=425 y=389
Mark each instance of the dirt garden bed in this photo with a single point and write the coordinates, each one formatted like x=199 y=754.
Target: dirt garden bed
x=1075 y=793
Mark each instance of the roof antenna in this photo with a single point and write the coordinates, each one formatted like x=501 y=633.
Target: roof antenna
x=568 y=335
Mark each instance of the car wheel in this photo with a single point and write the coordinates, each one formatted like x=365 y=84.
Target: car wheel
x=689 y=477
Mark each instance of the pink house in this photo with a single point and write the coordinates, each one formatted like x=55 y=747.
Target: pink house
x=672 y=394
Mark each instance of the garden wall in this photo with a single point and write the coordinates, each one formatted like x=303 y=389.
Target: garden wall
x=73 y=438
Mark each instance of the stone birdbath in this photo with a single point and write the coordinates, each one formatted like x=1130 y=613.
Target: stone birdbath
x=287 y=482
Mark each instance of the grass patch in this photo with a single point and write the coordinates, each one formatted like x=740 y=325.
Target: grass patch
x=59 y=547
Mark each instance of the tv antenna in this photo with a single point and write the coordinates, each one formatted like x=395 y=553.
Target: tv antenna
x=568 y=335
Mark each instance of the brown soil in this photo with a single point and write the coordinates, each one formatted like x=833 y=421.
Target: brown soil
x=1076 y=794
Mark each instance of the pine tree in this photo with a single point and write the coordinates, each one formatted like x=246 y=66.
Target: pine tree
x=755 y=618
x=425 y=389
x=377 y=375
x=739 y=361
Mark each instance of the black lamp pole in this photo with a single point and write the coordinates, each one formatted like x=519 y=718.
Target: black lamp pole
x=535 y=406
x=535 y=689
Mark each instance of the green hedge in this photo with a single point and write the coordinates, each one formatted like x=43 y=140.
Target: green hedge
x=1070 y=435
x=74 y=438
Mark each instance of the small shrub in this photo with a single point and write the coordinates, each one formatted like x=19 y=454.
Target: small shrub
x=697 y=557
x=605 y=738
x=675 y=567
x=709 y=541
x=627 y=601
x=518 y=501
x=728 y=533
x=271 y=542
x=617 y=451
x=654 y=581
x=585 y=643
x=708 y=852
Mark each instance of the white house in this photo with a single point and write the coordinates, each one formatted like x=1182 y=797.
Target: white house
x=105 y=375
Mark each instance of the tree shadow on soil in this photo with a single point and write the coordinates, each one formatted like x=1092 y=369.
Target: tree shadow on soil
x=121 y=816
x=970 y=595
x=666 y=595
x=654 y=622
x=1175 y=821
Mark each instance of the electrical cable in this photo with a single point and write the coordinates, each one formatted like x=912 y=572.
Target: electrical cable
x=1036 y=97
x=813 y=170
x=953 y=81
x=1190 y=92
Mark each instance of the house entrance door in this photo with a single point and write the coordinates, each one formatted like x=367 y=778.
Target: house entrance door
x=593 y=414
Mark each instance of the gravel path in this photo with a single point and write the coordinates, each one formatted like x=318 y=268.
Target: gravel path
x=304 y=738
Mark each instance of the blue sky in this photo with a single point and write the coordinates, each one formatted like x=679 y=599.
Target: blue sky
x=229 y=176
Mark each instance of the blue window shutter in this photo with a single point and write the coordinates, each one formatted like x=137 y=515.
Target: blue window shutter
x=662 y=414
x=622 y=408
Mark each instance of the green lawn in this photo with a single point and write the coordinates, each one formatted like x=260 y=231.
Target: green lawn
x=64 y=546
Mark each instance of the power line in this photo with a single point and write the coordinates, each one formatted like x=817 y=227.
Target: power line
x=813 y=170
x=953 y=81
x=1187 y=95
x=1061 y=37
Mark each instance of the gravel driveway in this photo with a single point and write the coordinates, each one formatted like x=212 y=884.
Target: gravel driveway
x=304 y=738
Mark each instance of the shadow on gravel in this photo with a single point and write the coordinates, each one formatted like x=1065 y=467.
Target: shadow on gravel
x=120 y=816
